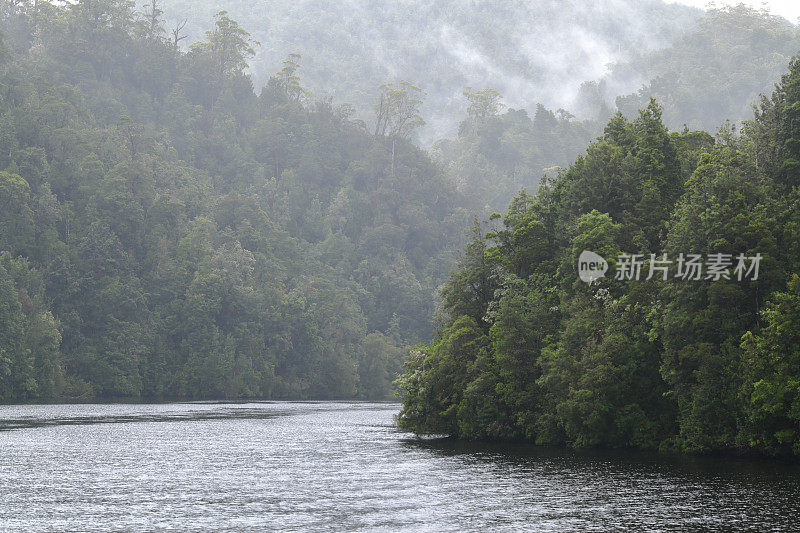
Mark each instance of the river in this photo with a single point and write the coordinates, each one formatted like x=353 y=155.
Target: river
x=344 y=467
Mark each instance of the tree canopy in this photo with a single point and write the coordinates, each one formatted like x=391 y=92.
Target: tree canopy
x=167 y=231
x=526 y=350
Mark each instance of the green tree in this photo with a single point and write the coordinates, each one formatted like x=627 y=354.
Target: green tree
x=228 y=44
x=772 y=383
x=484 y=104
x=397 y=113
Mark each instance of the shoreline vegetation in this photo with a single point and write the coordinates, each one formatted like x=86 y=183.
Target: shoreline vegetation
x=527 y=351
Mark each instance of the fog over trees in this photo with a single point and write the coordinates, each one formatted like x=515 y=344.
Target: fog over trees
x=294 y=200
x=703 y=67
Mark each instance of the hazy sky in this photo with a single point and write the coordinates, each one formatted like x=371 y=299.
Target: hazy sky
x=789 y=9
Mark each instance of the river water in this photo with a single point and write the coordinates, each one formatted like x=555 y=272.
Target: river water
x=344 y=467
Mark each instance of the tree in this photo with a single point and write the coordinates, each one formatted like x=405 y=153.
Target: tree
x=787 y=100
x=771 y=389
x=398 y=110
x=101 y=30
x=152 y=18
x=471 y=285
x=16 y=370
x=176 y=33
x=725 y=210
x=484 y=104
x=16 y=232
x=290 y=81
x=228 y=44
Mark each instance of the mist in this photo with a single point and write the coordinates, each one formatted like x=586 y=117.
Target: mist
x=532 y=52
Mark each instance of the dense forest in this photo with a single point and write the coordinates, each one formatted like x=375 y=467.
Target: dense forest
x=166 y=231
x=703 y=67
x=714 y=73
x=528 y=351
x=171 y=229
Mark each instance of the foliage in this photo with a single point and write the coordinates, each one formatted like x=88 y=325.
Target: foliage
x=168 y=232
x=714 y=72
x=515 y=46
x=528 y=351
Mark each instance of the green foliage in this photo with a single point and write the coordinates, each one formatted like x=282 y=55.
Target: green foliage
x=787 y=109
x=494 y=155
x=350 y=48
x=703 y=68
x=228 y=46
x=771 y=387
x=697 y=366
x=30 y=364
x=168 y=232
x=483 y=105
x=397 y=110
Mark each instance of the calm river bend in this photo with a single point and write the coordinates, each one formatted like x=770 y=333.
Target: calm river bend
x=344 y=467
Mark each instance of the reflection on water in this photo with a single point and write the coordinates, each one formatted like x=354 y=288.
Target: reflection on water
x=343 y=466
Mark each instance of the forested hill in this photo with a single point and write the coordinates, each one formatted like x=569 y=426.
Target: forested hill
x=713 y=73
x=532 y=51
x=560 y=70
x=671 y=357
x=580 y=56
x=167 y=231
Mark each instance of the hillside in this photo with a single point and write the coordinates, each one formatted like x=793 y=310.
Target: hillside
x=530 y=51
x=559 y=71
x=714 y=72
x=168 y=232
x=173 y=229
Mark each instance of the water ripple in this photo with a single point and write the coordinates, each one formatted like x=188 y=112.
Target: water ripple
x=344 y=467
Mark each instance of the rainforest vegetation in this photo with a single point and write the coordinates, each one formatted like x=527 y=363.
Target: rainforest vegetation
x=168 y=232
x=562 y=69
x=172 y=229
x=528 y=351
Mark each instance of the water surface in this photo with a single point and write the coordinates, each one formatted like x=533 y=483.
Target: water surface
x=344 y=467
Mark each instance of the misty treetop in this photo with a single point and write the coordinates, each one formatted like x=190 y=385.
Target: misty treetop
x=516 y=46
x=589 y=57
x=715 y=72
x=703 y=67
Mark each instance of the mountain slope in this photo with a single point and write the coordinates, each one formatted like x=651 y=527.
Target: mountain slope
x=531 y=51
x=167 y=232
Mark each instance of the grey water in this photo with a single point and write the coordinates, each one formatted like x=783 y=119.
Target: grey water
x=345 y=467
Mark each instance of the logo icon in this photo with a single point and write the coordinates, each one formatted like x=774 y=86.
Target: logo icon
x=591 y=266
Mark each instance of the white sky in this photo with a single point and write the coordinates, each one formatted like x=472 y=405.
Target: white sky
x=789 y=9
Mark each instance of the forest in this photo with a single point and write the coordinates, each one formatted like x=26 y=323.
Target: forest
x=528 y=351
x=168 y=232
x=704 y=67
x=515 y=46
x=176 y=224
